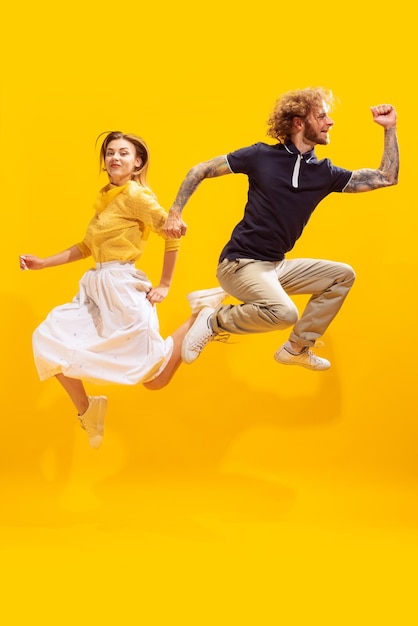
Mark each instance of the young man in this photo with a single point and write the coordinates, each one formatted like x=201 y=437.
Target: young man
x=286 y=183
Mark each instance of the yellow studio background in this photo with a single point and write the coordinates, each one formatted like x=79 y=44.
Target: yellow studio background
x=245 y=493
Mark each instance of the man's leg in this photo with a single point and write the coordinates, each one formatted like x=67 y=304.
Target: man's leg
x=329 y=283
x=265 y=304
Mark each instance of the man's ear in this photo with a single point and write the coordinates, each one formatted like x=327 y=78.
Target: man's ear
x=298 y=123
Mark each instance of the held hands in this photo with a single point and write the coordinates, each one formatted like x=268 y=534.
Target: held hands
x=384 y=114
x=157 y=294
x=174 y=226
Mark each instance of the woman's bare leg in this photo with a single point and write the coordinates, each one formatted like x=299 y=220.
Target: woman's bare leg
x=76 y=391
x=91 y=412
x=175 y=360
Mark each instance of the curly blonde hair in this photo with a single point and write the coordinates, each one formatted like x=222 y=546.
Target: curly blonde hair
x=298 y=103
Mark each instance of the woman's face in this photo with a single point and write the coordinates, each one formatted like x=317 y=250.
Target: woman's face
x=121 y=161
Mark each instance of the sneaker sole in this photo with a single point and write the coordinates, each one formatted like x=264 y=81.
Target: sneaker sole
x=183 y=349
x=204 y=292
x=96 y=440
x=307 y=367
x=216 y=293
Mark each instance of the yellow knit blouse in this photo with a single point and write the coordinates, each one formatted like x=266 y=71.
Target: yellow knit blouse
x=124 y=217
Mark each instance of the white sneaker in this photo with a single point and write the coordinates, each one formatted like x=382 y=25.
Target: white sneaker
x=206 y=297
x=306 y=359
x=198 y=336
x=93 y=419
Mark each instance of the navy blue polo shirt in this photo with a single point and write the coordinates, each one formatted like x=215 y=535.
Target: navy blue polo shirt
x=285 y=186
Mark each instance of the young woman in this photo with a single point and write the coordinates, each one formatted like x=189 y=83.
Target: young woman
x=109 y=333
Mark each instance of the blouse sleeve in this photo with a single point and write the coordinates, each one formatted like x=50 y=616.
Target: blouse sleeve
x=84 y=249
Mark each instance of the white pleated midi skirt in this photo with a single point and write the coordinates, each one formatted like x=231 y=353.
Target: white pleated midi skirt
x=109 y=333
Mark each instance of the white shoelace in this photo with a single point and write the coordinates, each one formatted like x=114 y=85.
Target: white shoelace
x=209 y=336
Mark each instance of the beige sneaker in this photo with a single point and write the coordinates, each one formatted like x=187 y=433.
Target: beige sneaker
x=199 y=335
x=93 y=419
x=306 y=359
x=206 y=297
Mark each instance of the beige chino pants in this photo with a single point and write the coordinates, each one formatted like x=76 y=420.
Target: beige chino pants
x=264 y=288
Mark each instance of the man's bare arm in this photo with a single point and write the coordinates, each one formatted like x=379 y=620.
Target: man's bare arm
x=387 y=174
x=175 y=227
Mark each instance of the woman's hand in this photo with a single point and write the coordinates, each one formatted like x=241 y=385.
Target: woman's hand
x=30 y=262
x=157 y=294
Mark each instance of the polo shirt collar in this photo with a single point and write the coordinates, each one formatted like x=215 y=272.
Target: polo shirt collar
x=291 y=148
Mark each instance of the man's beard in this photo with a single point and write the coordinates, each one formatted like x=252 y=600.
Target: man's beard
x=312 y=135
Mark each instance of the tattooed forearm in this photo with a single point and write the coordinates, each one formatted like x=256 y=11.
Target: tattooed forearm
x=390 y=160
x=208 y=169
x=191 y=182
x=387 y=174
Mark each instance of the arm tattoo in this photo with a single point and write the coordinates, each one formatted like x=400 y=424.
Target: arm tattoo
x=365 y=180
x=209 y=169
x=387 y=174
